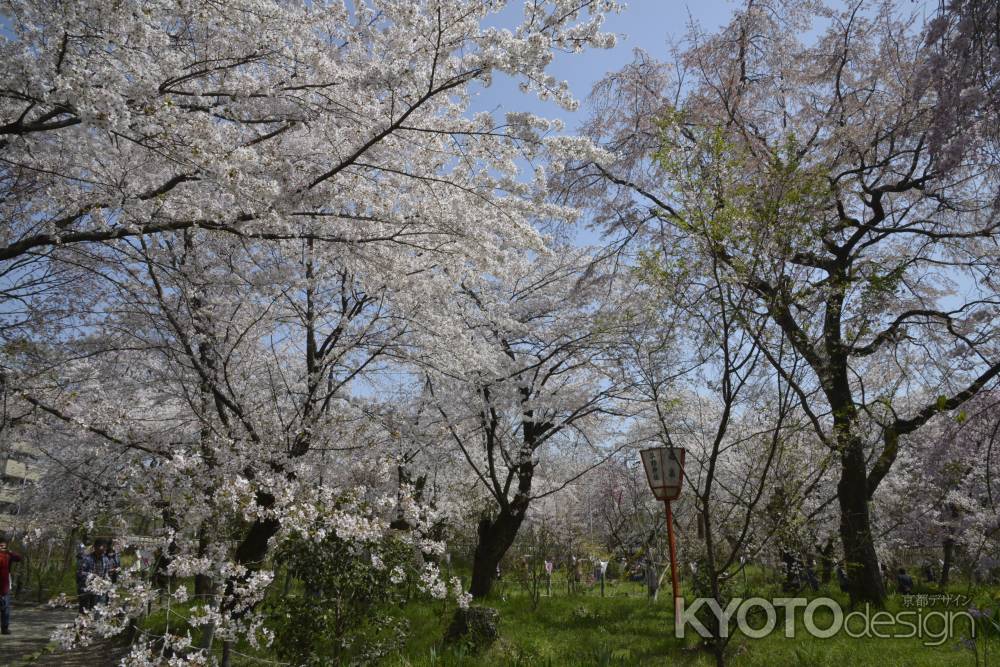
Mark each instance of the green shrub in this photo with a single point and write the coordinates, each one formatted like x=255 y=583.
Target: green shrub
x=346 y=612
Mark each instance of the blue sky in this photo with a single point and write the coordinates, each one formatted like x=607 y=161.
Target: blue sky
x=645 y=24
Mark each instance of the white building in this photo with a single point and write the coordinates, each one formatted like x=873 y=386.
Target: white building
x=18 y=469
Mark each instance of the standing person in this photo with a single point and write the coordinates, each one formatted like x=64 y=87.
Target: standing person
x=96 y=564
x=7 y=558
x=114 y=561
x=810 y=573
x=904 y=582
x=792 y=568
x=842 y=579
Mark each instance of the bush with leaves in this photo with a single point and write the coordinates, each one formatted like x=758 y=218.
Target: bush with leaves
x=342 y=612
x=701 y=587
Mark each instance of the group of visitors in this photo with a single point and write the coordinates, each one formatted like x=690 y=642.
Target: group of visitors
x=101 y=561
x=799 y=573
x=904 y=582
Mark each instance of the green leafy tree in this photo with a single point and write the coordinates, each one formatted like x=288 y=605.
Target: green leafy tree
x=344 y=611
x=806 y=173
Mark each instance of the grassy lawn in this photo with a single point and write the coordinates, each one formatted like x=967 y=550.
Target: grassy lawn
x=625 y=628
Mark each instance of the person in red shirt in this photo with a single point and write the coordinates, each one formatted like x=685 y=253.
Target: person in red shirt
x=7 y=558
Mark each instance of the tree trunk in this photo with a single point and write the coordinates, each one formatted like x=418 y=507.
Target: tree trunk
x=652 y=580
x=208 y=636
x=717 y=642
x=161 y=578
x=252 y=550
x=949 y=546
x=864 y=578
x=826 y=561
x=24 y=576
x=495 y=537
x=204 y=587
x=949 y=558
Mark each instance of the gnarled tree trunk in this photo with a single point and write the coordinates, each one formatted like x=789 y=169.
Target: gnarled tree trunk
x=495 y=538
x=864 y=578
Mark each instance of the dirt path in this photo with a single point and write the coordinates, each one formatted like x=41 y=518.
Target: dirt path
x=29 y=644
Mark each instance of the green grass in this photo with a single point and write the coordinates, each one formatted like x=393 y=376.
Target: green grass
x=624 y=628
x=594 y=630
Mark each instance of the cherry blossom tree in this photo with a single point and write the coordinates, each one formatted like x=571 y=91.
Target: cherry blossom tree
x=964 y=72
x=704 y=383
x=267 y=194
x=942 y=498
x=806 y=171
x=546 y=388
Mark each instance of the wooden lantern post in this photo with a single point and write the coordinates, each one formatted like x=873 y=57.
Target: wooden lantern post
x=665 y=474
